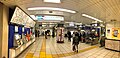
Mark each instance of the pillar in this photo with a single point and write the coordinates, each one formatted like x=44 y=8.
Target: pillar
x=4 y=16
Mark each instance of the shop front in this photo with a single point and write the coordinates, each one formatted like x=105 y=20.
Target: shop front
x=113 y=36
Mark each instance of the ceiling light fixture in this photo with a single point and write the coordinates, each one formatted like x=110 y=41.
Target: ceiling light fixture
x=91 y=17
x=53 y=1
x=51 y=8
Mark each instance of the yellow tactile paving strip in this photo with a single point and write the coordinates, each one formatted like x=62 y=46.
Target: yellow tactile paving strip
x=43 y=49
x=29 y=55
x=44 y=55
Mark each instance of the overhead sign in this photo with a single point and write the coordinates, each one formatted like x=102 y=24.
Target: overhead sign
x=48 y=18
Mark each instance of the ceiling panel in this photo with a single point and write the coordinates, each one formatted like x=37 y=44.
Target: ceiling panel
x=105 y=10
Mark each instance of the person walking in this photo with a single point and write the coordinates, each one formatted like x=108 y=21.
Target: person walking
x=75 y=42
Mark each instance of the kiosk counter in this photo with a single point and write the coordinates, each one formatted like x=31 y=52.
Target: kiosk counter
x=112 y=44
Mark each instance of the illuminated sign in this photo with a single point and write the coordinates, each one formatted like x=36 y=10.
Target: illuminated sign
x=58 y=18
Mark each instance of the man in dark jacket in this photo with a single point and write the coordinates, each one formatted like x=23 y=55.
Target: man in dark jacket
x=75 y=42
x=53 y=32
x=69 y=35
x=79 y=35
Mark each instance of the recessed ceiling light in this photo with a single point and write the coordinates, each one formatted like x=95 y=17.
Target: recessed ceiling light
x=53 y=1
x=51 y=8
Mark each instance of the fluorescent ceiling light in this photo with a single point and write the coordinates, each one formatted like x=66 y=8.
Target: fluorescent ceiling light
x=51 y=8
x=53 y=1
x=91 y=17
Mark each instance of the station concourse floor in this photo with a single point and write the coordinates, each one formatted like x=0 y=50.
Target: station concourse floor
x=48 y=48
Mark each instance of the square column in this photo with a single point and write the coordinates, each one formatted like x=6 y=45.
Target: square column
x=4 y=16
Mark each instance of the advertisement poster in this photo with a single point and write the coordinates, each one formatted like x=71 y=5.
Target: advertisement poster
x=60 y=35
x=116 y=33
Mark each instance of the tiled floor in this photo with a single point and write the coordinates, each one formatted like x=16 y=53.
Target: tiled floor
x=48 y=48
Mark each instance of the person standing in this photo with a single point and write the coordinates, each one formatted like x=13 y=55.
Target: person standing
x=38 y=33
x=102 y=41
x=35 y=33
x=53 y=32
x=46 y=34
x=79 y=35
x=75 y=42
x=69 y=35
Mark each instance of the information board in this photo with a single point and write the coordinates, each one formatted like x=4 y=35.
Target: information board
x=21 y=18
